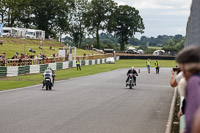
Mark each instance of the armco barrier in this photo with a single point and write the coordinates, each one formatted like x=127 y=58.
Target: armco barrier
x=70 y=63
x=10 y=71
x=90 y=62
x=83 y=62
x=74 y=63
x=100 y=61
x=86 y=62
x=21 y=70
x=59 y=66
x=103 y=61
x=43 y=67
x=65 y=65
x=52 y=65
x=26 y=69
x=34 y=69
x=93 y=62
x=3 y=71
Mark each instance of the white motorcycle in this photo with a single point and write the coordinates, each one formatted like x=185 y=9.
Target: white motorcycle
x=48 y=79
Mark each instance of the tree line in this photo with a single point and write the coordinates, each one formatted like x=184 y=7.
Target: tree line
x=78 y=18
x=168 y=43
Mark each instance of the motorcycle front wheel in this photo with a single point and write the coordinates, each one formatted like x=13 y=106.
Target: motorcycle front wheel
x=130 y=85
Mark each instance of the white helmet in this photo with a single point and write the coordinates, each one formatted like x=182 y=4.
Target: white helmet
x=132 y=68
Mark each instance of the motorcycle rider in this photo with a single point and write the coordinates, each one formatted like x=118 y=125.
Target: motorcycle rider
x=134 y=72
x=53 y=75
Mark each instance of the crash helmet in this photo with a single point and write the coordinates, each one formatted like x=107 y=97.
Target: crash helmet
x=49 y=68
x=132 y=68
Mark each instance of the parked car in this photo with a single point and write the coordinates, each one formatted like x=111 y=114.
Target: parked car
x=131 y=51
x=110 y=60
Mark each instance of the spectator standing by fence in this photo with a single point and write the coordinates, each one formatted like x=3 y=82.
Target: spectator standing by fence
x=157 y=66
x=148 y=64
x=78 y=65
x=189 y=60
x=1 y=42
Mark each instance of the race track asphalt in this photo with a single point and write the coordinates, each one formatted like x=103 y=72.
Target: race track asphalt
x=97 y=103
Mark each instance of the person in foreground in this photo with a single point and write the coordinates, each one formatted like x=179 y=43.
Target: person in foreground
x=132 y=71
x=189 y=62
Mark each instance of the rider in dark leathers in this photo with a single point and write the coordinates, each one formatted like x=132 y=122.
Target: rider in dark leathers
x=132 y=71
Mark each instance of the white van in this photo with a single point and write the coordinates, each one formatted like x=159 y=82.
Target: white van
x=35 y=34
x=6 y=31
x=18 y=32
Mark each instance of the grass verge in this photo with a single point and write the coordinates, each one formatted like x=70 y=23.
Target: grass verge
x=27 y=80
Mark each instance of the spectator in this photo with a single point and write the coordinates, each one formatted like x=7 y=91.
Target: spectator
x=174 y=81
x=3 y=63
x=39 y=47
x=78 y=65
x=53 y=55
x=1 y=42
x=180 y=83
x=26 y=56
x=22 y=56
x=148 y=64
x=30 y=50
x=157 y=66
x=189 y=63
x=3 y=55
x=40 y=55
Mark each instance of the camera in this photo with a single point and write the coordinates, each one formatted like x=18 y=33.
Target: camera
x=175 y=69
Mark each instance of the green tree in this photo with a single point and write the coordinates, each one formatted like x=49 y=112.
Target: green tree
x=174 y=45
x=51 y=15
x=11 y=10
x=2 y=9
x=77 y=21
x=99 y=16
x=128 y=23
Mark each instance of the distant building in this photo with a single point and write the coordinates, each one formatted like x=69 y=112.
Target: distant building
x=193 y=25
x=22 y=32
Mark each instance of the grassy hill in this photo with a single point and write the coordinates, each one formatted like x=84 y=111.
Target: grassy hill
x=13 y=45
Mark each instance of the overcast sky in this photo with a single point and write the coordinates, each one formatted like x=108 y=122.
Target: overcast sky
x=161 y=17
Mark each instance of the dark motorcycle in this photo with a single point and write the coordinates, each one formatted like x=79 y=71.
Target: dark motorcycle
x=131 y=82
